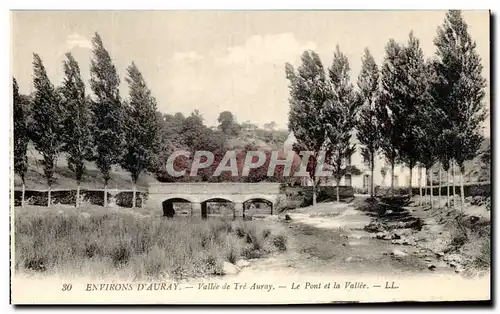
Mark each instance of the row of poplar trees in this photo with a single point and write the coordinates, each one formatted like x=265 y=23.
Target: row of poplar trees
x=411 y=110
x=100 y=127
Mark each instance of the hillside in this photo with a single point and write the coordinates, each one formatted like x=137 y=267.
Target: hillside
x=479 y=169
x=64 y=178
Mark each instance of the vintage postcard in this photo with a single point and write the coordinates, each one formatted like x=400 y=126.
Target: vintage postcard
x=250 y=157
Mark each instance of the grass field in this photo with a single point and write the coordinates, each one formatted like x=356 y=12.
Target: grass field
x=134 y=245
x=65 y=179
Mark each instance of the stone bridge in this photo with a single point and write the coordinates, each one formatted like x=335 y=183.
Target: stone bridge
x=164 y=195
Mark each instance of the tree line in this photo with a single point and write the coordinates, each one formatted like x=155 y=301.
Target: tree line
x=415 y=111
x=103 y=128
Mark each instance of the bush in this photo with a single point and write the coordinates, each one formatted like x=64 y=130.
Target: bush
x=361 y=190
x=483 y=259
x=125 y=199
x=472 y=238
x=68 y=197
x=303 y=195
x=470 y=189
x=280 y=242
x=386 y=191
x=287 y=204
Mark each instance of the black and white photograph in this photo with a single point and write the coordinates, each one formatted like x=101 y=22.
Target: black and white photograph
x=250 y=157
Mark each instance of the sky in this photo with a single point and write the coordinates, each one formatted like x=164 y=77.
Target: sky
x=222 y=60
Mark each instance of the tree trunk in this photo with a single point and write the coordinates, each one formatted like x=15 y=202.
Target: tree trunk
x=420 y=184
x=338 y=194
x=372 y=188
x=314 y=191
x=23 y=194
x=78 y=194
x=134 y=196
x=432 y=186
x=453 y=183
x=426 y=186
x=448 y=187
x=106 y=194
x=439 y=192
x=462 y=194
x=410 y=191
x=49 y=196
x=392 y=178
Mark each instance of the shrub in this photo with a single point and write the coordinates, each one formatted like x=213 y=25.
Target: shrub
x=120 y=254
x=125 y=199
x=483 y=260
x=301 y=196
x=265 y=233
x=280 y=242
x=94 y=197
x=472 y=238
x=386 y=191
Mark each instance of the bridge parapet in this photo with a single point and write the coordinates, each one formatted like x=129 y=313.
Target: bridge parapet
x=214 y=188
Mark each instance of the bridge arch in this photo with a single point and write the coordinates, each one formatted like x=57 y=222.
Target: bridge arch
x=187 y=197
x=258 y=196
x=252 y=205
x=205 y=211
x=217 y=198
x=168 y=205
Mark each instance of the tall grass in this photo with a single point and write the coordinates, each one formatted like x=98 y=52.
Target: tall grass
x=473 y=240
x=114 y=243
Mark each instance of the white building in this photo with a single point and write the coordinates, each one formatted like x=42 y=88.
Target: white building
x=381 y=175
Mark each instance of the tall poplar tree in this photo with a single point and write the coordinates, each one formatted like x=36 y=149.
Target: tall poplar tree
x=48 y=116
x=21 y=136
x=390 y=101
x=78 y=141
x=412 y=95
x=340 y=117
x=309 y=93
x=459 y=89
x=368 y=129
x=142 y=131
x=107 y=111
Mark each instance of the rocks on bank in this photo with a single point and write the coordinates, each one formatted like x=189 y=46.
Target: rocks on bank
x=234 y=269
x=430 y=233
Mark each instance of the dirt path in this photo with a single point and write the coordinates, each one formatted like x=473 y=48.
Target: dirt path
x=332 y=239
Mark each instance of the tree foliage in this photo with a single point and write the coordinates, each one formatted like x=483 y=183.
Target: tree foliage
x=197 y=136
x=368 y=132
x=78 y=140
x=47 y=129
x=340 y=115
x=21 y=131
x=458 y=88
x=142 y=131
x=309 y=93
x=228 y=124
x=368 y=127
x=389 y=124
x=107 y=109
x=408 y=110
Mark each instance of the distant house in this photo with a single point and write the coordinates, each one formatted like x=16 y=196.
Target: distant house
x=381 y=176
